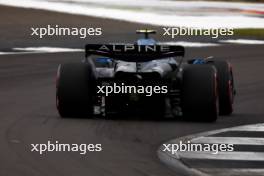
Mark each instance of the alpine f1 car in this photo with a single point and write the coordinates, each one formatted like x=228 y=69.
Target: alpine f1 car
x=145 y=78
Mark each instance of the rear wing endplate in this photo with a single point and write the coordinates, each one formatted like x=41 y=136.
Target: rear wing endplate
x=134 y=53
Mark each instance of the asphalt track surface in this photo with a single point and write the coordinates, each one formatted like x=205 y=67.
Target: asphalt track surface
x=28 y=113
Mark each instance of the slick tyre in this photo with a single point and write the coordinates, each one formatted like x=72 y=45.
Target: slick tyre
x=199 y=93
x=225 y=87
x=75 y=90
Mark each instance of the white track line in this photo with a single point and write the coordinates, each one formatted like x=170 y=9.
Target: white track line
x=189 y=44
x=171 y=4
x=249 y=128
x=36 y=50
x=49 y=49
x=243 y=41
x=241 y=156
x=229 y=140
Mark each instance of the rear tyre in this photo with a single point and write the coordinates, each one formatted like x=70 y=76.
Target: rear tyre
x=225 y=87
x=199 y=93
x=75 y=90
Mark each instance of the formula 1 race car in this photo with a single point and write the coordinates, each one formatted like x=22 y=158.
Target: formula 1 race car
x=146 y=79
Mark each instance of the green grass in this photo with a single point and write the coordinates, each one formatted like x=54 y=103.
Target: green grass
x=250 y=32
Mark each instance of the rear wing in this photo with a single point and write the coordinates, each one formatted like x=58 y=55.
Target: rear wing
x=134 y=53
